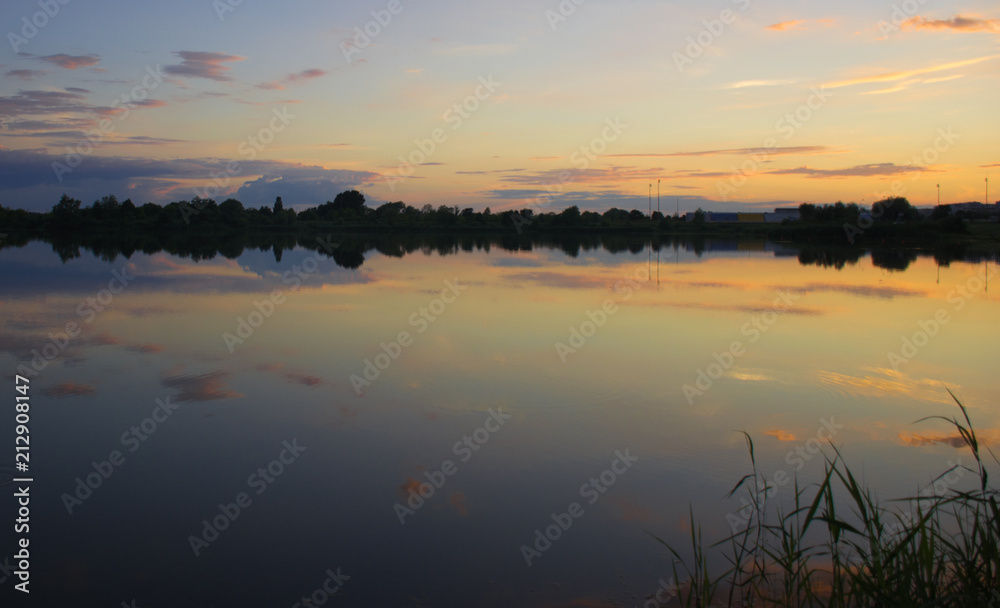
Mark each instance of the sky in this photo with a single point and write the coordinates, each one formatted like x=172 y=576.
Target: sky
x=725 y=105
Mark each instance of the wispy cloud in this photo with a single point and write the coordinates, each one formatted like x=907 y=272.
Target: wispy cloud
x=880 y=169
x=479 y=50
x=25 y=74
x=958 y=23
x=563 y=176
x=908 y=74
x=293 y=376
x=746 y=84
x=871 y=291
x=69 y=389
x=71 y=62
x=146 y=349
x=798 y=24
x=736 y=151
x=291 y=79
x=197 y=64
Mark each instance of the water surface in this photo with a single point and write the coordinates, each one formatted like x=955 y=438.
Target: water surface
x=555 y=359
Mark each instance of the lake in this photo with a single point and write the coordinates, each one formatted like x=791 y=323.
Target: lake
x=461 y=421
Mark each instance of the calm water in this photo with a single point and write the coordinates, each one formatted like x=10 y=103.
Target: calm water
x=613 y=377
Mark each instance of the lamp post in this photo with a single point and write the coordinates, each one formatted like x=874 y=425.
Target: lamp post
x=939 y=195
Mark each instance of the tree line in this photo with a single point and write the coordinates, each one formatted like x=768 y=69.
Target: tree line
x=349 y=208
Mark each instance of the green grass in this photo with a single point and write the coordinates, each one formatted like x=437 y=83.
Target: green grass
x=840 y=546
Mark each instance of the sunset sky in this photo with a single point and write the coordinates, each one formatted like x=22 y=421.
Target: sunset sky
x=730 y=104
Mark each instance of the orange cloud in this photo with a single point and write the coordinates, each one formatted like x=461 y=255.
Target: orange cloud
x=781 y=435
x=957 y=23
x=796 y=23
x=881 y=381
x=459 y=501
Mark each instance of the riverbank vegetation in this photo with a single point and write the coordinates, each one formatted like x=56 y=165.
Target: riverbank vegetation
x=838 y=545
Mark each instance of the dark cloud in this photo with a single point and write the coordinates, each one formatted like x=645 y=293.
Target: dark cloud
x=210 y=66
x=43 y=102
x=201 y=387
x=557 y=279
x=871 y=291
x=290 y=375
x=27 y=178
